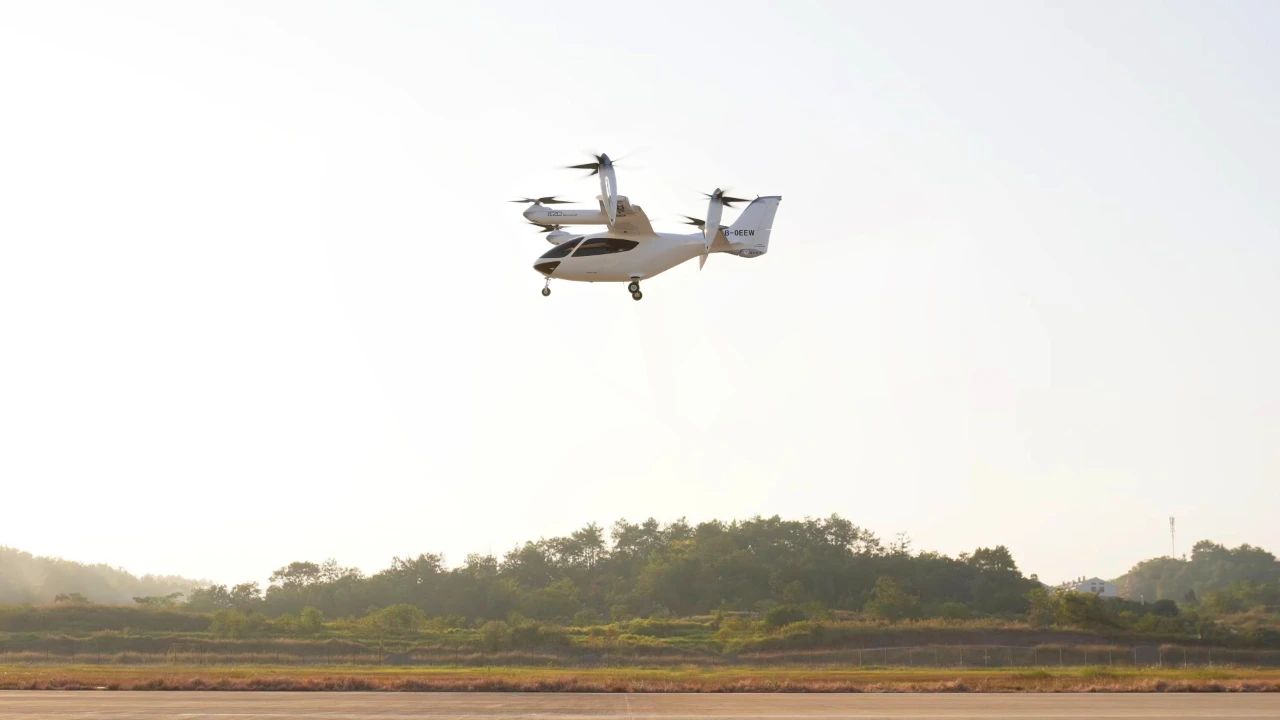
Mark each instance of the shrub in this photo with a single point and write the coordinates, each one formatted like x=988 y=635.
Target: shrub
x=310 y=620
x=396 y=619
x=954 y=611
x=890 y=602
x=780 y=615
x=494 y=635
x=237 y=623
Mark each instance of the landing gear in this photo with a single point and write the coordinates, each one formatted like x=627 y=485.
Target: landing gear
x=546 y=289
x=637 y=295
x=634 y=288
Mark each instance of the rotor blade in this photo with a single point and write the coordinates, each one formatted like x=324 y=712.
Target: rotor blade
x=726 y=199
x=593 y=167
x=693 y=221
x=548 y=200
x=609 y=189
x=714 y=209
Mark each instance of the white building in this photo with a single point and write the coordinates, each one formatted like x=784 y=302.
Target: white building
x=1094 y=585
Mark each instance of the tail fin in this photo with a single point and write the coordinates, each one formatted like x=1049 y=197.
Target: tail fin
x=748 y=237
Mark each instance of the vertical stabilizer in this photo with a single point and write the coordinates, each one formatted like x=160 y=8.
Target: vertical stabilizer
x=749 y=235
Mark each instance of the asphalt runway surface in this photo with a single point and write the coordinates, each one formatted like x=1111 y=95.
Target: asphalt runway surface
x=25 y=705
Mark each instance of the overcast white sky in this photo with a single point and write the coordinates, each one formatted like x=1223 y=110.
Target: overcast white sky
x=261 y=298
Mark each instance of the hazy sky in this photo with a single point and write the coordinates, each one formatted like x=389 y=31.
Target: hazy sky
x=261 y=298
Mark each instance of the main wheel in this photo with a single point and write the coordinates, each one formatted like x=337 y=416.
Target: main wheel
x=636 y=295
x=546 y=292
x=634 y=287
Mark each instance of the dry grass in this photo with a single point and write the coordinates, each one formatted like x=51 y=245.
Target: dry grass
x=685 y=679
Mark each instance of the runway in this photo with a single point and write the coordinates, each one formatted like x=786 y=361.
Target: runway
x=88 y=705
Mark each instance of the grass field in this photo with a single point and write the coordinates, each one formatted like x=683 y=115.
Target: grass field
x=682 y=679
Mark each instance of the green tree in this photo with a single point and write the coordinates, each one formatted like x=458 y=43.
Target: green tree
x=1082 y=610
x=1042 y=608
x=396 y=620
x=997 y=559
x=494 y=635
x=889 y=601
x=310 y=620
x=245 y=596
x=236 y=623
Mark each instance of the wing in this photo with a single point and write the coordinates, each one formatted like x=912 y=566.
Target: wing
x=631 y=220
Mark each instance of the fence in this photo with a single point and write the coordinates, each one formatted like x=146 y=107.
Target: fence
x=1045 y=656
x=960 y=656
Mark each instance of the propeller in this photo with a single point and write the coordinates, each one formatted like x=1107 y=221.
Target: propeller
x=603 y=167
x=549 y=200
x=545 y=228
x=602 y=161
x=728 y=201
x=715 y=208
x=698 y=223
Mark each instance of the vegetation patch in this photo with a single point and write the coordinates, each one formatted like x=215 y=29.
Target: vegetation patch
x=687 y=679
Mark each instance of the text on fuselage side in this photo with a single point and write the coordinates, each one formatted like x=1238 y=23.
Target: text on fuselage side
x=740 y=233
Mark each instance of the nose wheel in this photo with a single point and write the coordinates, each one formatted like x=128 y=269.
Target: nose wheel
x=634 y=287
x=546 y=289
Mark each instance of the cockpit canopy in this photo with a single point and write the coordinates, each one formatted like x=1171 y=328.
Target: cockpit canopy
x=562 y=250
x=589 y=247
x=604 y=246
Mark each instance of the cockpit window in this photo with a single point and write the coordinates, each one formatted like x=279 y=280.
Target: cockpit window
x=563 y=249
x=604 y=246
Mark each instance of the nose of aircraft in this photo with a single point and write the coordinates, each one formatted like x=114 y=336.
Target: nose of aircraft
x=546 y=267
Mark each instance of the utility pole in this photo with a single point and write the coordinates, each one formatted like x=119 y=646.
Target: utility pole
x=1173 y=545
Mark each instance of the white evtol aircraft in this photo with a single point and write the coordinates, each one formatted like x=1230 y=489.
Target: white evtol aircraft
x=629 y=250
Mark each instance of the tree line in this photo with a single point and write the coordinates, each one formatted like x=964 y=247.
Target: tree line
x=27 y=578
x=1223 y=579
x=649 y=569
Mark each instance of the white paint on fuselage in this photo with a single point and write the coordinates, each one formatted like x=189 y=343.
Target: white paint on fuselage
x=655 y=254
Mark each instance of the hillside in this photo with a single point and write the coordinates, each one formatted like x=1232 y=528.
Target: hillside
x=1244 y=576
x=27 y=578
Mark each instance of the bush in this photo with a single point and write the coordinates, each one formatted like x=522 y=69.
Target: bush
x=396 y=619
x=890 y=602
x=237 y=623
x=780 y=615
x=310 y=620
x=494 y=635
x=1264 y=637
x=1082 y=610
x=665 y=628
x=530 y=634
x=95 y=618
x=586 y=618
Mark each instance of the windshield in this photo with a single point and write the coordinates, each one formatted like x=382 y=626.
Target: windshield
x=563 y=249
x=604 y=246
